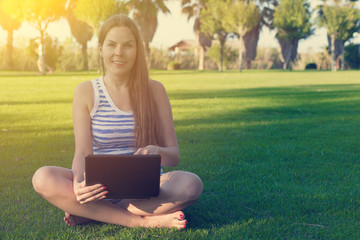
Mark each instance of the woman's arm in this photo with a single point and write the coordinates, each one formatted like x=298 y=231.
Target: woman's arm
x=82 y=105
x=169 y=149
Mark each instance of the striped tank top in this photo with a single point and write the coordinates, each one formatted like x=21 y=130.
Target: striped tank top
x=112 y=128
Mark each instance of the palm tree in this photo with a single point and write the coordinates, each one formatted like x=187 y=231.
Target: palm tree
x=82 y=33
x=241 y=18
x=292 y=20
x=192 y=9
x=212 y=17
x=145 y=15
x=9 y=24
x=251 y=38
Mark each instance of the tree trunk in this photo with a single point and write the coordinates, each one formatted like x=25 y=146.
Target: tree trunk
x=288 y=51
x=85 y=57
x=333 y=55
x=42 y=53
x=202 y=58
x=221 y=56
x=240 y=52
x=248 y=63
x=342 y=56
x=203 y=43
x=251 y=39
x=10 y=62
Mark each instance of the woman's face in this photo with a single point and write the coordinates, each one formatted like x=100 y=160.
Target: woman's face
x=118 y=51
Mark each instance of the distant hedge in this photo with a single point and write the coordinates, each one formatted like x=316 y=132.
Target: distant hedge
x=311 y=66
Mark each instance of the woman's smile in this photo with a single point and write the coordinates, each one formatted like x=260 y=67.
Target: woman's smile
x=119 y=63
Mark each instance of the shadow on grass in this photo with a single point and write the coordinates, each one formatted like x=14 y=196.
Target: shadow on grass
x=285 y=162
x=312 y=92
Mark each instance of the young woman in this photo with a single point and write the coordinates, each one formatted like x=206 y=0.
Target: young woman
x=122 y=112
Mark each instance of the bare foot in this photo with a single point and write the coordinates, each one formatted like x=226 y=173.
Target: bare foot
x=72 y=220
x=172 y=220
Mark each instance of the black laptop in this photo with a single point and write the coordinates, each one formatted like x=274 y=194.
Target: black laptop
x=125 y=176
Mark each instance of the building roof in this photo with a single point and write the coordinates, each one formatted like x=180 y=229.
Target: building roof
x=183 y=45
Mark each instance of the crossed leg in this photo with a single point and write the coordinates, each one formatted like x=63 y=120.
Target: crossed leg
x=178 y=190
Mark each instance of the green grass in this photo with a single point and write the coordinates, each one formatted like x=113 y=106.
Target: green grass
x=278 y=153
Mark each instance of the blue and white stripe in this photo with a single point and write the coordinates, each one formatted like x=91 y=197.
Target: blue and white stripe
x=112 y=128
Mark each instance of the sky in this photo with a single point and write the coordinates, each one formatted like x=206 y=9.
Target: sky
x=172 y=28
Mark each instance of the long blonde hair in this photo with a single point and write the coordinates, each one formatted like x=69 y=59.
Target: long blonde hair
x=147 y=130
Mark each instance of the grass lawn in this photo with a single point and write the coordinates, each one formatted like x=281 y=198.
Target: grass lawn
x=278 y=153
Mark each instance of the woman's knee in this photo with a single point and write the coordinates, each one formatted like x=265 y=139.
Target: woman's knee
x=44 y=180
x=192 y=185
x=39 y=178
x=195 y=187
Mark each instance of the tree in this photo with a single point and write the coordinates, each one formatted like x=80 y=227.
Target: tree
x=341 y=22
x=192 y=9
x=212 y=16
x=9 y=24
x=251 y=38
x=82 y=33
x=39 y=15
x=145 y=15
x=292 y=20
x=95 y=12
x=240 y=18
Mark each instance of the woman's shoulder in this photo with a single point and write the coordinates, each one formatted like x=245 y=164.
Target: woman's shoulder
x=84 y=87
x=84 y=93
x=157 y=87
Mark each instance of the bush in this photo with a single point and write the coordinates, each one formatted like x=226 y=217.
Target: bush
x=21 y=61
x=53 y=50
x=311 y=66
x=174 y=66
x=159 y=58
x=352 y=55
x=229 y=55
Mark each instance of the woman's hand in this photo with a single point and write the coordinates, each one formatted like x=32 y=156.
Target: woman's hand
x=88 y=194
x=148 y=150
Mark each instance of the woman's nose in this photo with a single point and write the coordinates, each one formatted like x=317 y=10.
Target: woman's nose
x=118 y=50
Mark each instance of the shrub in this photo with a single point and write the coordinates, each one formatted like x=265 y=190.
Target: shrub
x=229 y=55
x=159 y=58
x=310 y=66
x=352 y=55
x=173 y=66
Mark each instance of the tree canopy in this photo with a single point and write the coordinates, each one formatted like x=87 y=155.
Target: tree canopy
x=95 y=12
x=39 y=15
x=292 y=21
